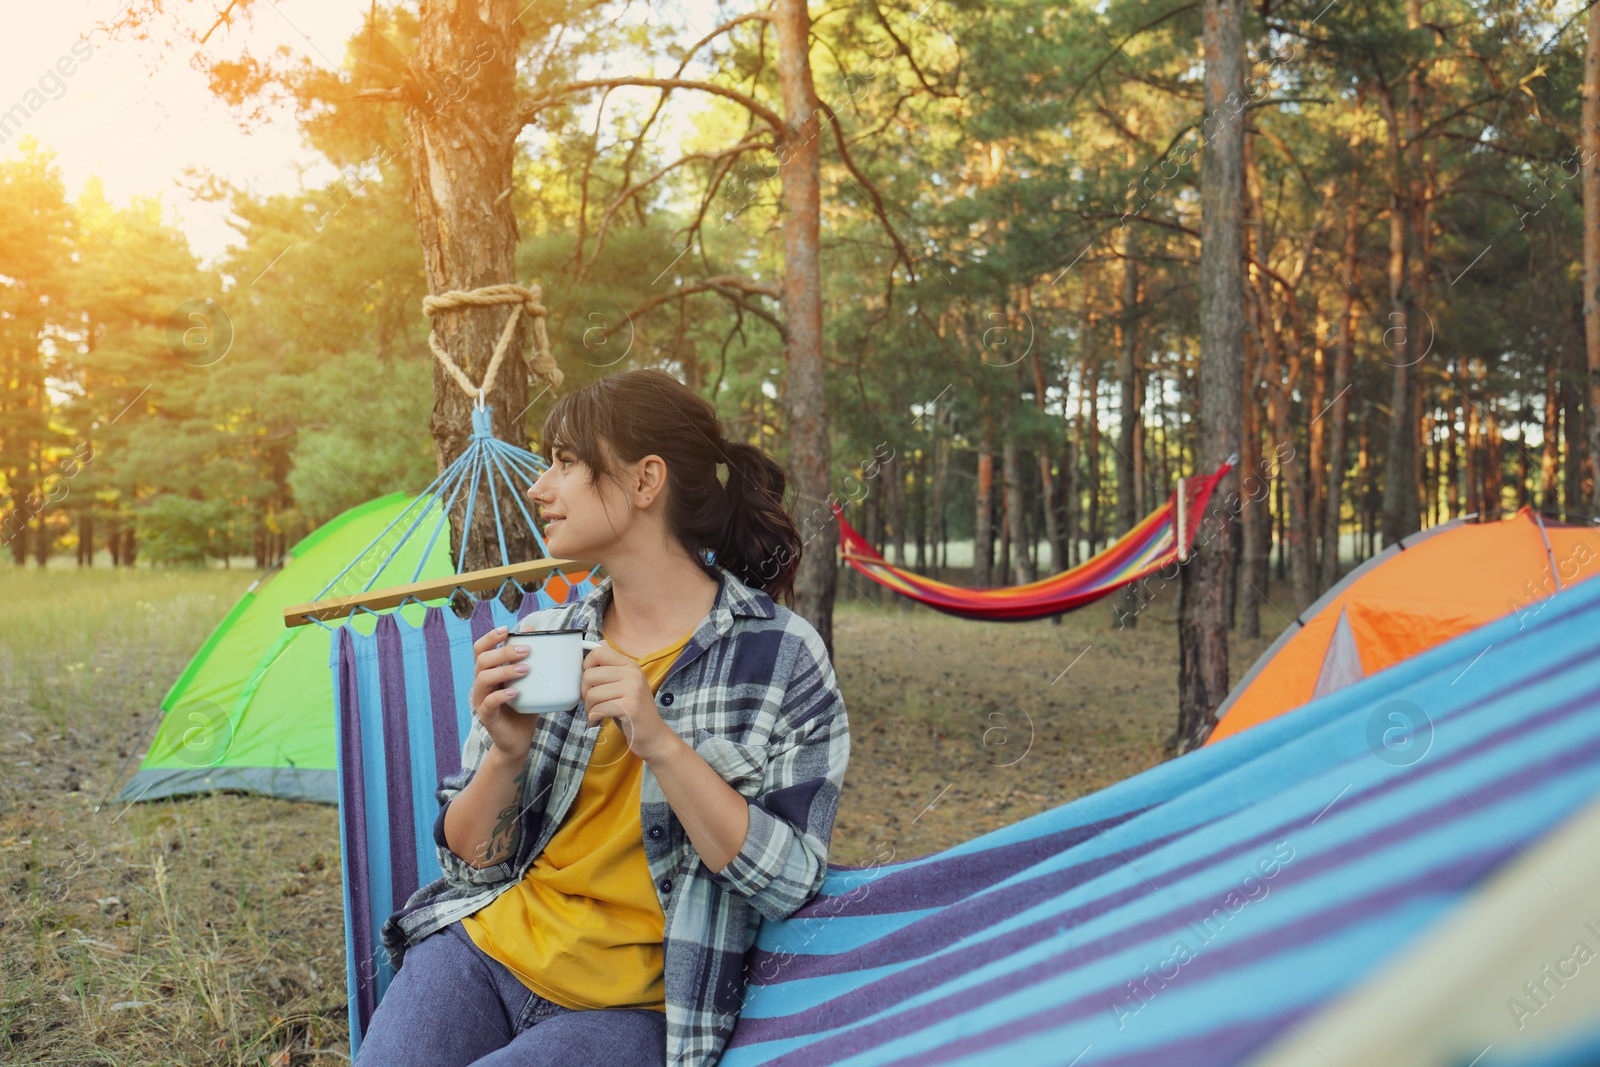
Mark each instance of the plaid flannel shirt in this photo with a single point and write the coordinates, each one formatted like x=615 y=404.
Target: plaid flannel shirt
x=755 y=694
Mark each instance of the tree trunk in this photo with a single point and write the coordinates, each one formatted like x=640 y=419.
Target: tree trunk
x=1092 y=430
x=1031 y=523
x=1230 y=584
x=894 y=498
x=1162 y=424
x=1549 y=490
x=1364 y=495
x=1493 y=465
x=1052 y=516
x=1474 y=499
x=1431 y=453
x=1572 y=491
x=1071 y=450
x=1313 y=476
x=920 y=474
x=869 y=522
x=900 y=527
x=1278 y=515
x=941 y=468
x=1047 y=482
x=1591 y=243
x=1281 y=372
x=1452 y=491
x=1440 y=460
x=461 y=163
x=1142 y=486
x=1255 y=516
x=1297 y=522
x=1003 y=565
x=1202 y=606
x=1128 y=402
x=879 y=528
x=1343 y=366
x=983 y=516
x=810 y=452
x=1409 y=333
x=1524 y=492
x=1021 y=563
x=1129 y=471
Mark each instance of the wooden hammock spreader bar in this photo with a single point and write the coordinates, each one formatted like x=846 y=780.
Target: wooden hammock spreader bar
x=470 y=581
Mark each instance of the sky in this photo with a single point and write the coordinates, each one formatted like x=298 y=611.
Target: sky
x=137 y=115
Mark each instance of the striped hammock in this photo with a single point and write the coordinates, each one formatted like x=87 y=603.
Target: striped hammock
x=402 y=716
x=1201 y=910
x=1148 y=547
x=1191 y=914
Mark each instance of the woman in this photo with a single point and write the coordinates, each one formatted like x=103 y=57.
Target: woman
x=605 y=869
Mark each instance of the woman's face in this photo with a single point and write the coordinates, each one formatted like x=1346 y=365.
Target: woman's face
x=568 y=505
x=580 y=520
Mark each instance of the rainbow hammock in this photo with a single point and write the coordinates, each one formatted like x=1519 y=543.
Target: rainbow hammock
x=1148 y=547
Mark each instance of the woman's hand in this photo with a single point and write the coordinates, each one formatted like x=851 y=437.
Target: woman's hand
x=614 y=687
x=499 y=668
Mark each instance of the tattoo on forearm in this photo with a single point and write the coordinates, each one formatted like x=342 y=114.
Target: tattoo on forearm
x=505 y=828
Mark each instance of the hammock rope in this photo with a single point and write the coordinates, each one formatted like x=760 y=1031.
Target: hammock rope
x=540 y=362
x=1152 y=544
x=486 y=458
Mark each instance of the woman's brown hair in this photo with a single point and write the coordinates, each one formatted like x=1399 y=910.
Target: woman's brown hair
x=639 y=412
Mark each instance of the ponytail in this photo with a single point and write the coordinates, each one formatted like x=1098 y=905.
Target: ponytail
x=759 y=542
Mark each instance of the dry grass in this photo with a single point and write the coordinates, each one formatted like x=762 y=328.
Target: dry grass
x=197 y=931
x=208 y=930
x=960 y=727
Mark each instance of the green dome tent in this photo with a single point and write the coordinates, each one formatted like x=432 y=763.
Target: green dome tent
x=254 y=708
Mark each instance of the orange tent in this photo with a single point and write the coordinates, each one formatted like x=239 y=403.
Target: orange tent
x=1413 y=595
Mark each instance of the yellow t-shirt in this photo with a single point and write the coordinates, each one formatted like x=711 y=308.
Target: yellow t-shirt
x=584 y=926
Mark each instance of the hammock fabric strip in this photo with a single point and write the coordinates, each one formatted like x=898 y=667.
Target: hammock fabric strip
x=401 y=708
x=1196 y=912
x=1143 y=550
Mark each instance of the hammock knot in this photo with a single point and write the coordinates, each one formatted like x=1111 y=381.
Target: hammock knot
x=525 y=301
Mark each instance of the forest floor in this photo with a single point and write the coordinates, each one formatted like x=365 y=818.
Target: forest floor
x=208 y=930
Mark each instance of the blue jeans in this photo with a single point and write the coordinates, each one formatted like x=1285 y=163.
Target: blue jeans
x=451 y=1004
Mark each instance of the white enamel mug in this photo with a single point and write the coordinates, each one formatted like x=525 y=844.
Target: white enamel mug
x=555 y=670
